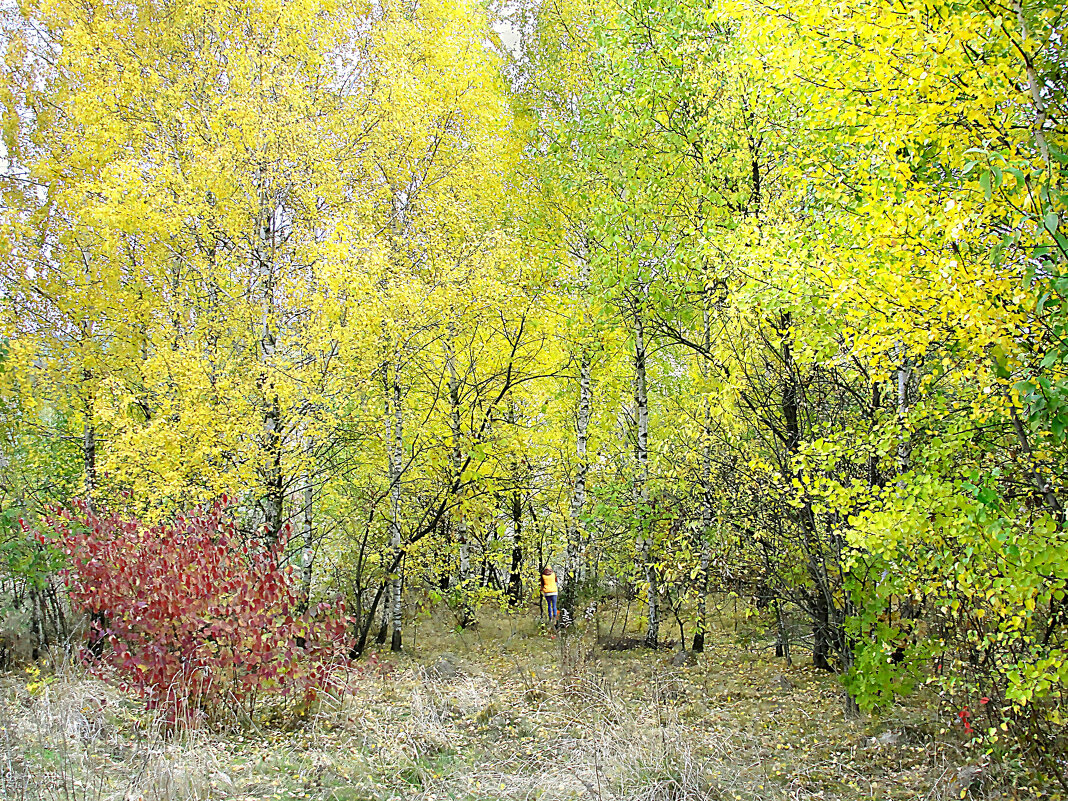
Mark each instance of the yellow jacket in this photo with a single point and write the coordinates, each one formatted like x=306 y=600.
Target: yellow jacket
x=548 y=584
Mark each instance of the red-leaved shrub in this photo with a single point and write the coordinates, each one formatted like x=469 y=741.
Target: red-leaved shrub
x=198 y=620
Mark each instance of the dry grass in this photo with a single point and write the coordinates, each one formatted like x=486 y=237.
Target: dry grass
x=76 y=738
x=508 y=714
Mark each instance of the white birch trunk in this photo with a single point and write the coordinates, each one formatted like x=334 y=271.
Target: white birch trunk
x=1033 y=85
x=263 y=259
x=641 y=478
x=577 y=535
x=577 y=539
x=457 y=456
x=396 y=468
x=307 y=529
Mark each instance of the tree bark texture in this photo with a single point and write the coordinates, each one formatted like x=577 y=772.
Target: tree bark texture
x=396 y=468
x=307 y=527
x=575 y=569
x=459 y=521
x=641 y=477
x=515 y=526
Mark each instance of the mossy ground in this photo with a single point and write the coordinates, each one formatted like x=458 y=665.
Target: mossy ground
x=504 y=712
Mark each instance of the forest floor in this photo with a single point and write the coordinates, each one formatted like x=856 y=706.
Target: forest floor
x=505 y=712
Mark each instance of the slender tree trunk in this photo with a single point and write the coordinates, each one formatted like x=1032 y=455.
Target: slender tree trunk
x=35 y=628
x=488 y=546
x=459 y=518
x=396 y=468
x=574 y=570
x=821 y=592
x=383 y=629
x=515 y=575
x=263 y=258
x=577 y=534
x=307 y=528
x=702 y=600
x=706 y=502
x=641 y=478
x=98 y=620
x=904 y=380
x=41 y=598
x=1039 y=481
x=1034 y=84
x=89 y=455
x=387 y=587
x=782 y=643
x=273 y=497
x=88 y=437
x=706 y=536
x=57 y=604
x=445 y=577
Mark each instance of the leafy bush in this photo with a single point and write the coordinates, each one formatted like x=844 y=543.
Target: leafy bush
x=24 y=556
x=198 y=620
x=31 y=611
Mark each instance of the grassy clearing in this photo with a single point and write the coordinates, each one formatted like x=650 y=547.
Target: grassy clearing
x=503 y=712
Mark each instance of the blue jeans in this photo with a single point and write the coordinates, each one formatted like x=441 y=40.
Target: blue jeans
x=550 y=601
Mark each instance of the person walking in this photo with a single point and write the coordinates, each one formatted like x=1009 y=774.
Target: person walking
x=549 y=591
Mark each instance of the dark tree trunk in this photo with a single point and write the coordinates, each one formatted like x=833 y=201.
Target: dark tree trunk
x=823 y=637
x=273 y=484
x=821 y=640
x=361 y=643
x=515 y=575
